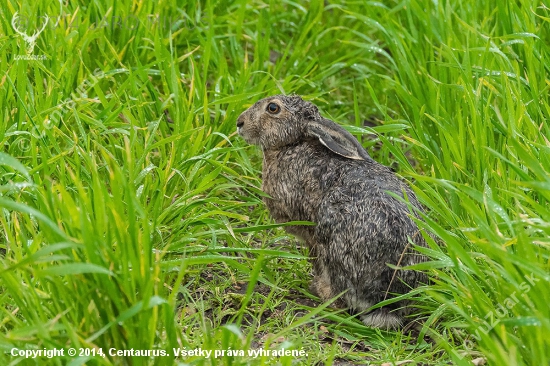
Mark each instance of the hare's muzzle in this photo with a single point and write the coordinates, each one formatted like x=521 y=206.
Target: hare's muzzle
x=245 y=128
x=240 y=123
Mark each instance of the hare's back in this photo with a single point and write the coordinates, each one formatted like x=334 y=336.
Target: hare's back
x=367 y=214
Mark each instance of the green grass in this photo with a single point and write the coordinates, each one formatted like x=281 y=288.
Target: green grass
x=131 y=213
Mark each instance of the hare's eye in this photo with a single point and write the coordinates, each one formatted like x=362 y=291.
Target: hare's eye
x=273 y=108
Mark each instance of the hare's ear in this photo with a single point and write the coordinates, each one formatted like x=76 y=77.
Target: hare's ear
x=337 y=139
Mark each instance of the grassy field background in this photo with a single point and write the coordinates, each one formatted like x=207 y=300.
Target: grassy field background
x=131 y=214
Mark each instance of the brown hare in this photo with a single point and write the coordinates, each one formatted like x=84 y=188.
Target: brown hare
x=314 y=170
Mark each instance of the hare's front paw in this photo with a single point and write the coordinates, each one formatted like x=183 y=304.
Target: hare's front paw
x=320 y=286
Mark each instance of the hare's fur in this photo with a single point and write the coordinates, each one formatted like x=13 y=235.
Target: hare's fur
x=314 y=170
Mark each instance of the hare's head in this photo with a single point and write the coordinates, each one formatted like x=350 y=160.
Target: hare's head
x=283 y=120
x=276 y=121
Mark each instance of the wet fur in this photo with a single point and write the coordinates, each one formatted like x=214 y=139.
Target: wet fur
x=360 y=228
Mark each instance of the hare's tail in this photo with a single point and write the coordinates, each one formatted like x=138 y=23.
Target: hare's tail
x=382 y=318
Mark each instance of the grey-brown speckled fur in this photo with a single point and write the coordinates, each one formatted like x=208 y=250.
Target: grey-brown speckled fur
x=314 y=170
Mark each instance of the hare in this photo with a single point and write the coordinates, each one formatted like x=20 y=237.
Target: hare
x=314 y=170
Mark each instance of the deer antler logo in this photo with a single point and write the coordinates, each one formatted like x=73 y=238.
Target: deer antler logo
x=30 y=40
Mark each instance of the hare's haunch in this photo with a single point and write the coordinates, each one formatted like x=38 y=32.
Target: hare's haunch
x=314 y=170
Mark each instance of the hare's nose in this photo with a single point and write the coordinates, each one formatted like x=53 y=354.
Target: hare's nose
x=240 y=123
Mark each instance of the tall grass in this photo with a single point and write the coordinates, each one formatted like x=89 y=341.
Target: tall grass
x=131 y=213
x=471 y=79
